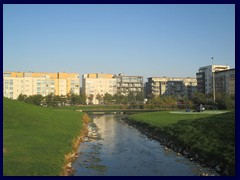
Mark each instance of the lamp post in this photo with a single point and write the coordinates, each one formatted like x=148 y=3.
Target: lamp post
x=213 y=69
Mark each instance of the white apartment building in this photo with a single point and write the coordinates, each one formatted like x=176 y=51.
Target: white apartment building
x=98 y=84
x=126 y=84
x=205 y=77
x=29 y=83
x=171 y=86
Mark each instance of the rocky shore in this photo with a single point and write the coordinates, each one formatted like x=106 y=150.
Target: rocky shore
x=169 y=144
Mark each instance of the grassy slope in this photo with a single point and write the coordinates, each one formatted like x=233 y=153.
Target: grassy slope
x=211 y=136
x=36 y=139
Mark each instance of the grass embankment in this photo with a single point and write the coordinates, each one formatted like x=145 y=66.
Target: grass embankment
x=208 y=138
x=36 y=139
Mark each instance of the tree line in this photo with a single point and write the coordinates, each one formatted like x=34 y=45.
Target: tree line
x=118 y=98
x=52 y=100
x=222 y=101
x=134 y=100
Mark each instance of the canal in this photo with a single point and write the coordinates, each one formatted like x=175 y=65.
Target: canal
x=113 y=148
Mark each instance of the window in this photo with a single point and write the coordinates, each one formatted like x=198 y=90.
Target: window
x=7 y=75
x=11 y=95
x=11 y=82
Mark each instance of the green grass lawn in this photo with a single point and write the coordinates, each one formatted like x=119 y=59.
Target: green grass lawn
x=35 y=139
x=210 y=135
x=164 y=118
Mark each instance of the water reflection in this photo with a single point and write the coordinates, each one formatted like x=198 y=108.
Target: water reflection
x=114 y=148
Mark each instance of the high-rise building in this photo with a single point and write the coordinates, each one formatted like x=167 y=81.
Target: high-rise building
x=171 y=86
x=33 y=83
x=97 y=84
x=205 y=77
x=225 y=81
x=126 y=84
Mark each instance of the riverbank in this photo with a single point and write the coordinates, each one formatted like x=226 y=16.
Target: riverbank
x=206 y=138
x=70 y=157
x=37 y=140
x=112 y=148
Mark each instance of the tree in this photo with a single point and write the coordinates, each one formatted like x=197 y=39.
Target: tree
x=73 y=98
x=169 y=101
x=99 y=98
x=107 y=98
x=82 y=99
x=139 y=97
x=200 y=98
x=225 y=101
x=22 y=97
x=29 y=100
x=63 y=100
x=35 y=99
x=50 y=100
x=155 y=101
x=119 y=98
x=131 y=98
x=188 y=103
x=57 y=99
x=90 y=99
x=150 y=96
x=159 y=101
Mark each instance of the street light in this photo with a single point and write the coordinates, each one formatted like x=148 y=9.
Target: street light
x=213 y=81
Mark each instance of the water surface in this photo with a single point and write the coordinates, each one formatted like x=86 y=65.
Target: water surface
x=113 y=148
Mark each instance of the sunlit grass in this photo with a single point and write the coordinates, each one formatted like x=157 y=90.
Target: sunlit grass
x=210 y=135
x=35 y=139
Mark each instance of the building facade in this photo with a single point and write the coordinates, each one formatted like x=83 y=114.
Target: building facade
x=225 y=81
x=156 y=86
x=126 y=84
x=205 y=77
x=171 y=86
x=97 y=84
x=33 y=83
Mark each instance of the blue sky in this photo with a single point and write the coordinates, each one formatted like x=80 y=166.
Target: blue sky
x=147 y=40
